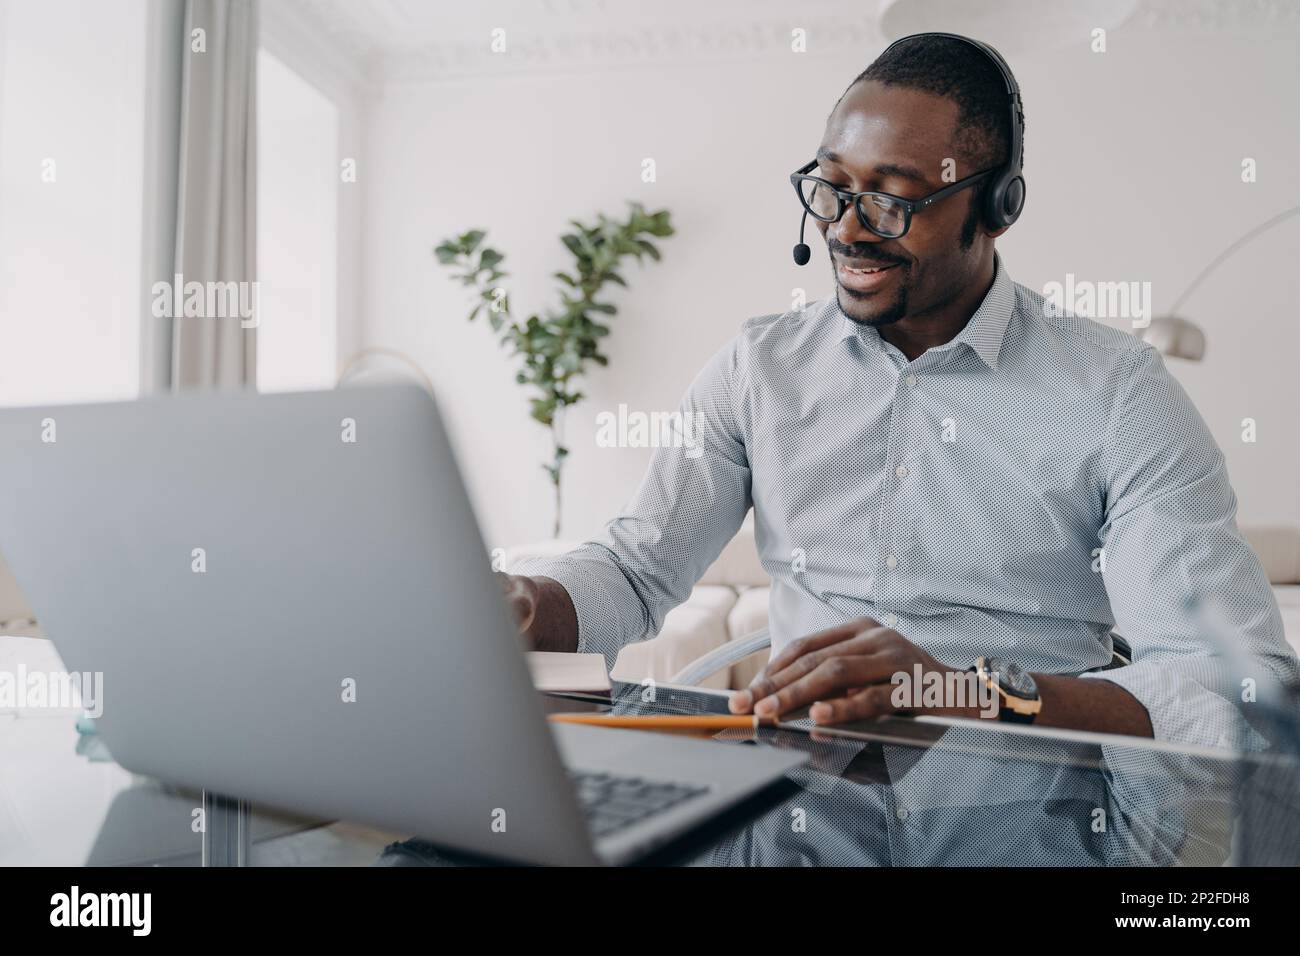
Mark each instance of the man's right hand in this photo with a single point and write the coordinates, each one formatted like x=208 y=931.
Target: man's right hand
x=522 y=597
x=543 y=612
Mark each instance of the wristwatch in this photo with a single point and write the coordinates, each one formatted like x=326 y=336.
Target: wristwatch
x=1020 y=702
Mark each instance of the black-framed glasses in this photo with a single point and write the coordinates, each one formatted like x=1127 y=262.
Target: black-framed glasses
x=889 y=217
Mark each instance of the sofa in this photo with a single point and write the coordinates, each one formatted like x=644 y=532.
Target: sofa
x=730 y=603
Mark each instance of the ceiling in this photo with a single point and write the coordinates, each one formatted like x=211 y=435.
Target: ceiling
x=394 y=41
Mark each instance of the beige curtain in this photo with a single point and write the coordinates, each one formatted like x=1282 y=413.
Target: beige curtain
x=216 y=193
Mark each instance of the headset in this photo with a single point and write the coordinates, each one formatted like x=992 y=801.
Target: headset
x=1004 y=195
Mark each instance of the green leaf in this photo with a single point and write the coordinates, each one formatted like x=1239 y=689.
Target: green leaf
x=659 y=224
x=543 y=409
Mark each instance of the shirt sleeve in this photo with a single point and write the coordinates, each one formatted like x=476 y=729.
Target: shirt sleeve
x=1186 y=590
x=690 y=503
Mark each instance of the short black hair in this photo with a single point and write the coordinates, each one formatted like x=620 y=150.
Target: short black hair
x=955 y=70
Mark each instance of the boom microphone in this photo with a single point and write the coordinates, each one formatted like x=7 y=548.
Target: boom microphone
x=801 y=252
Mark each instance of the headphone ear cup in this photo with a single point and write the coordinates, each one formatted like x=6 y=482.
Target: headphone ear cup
x=1006 y=197
x=993 y=204
x=1013 y=199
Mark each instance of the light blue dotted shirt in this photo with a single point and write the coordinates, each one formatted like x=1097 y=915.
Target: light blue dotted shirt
x=1021 y=491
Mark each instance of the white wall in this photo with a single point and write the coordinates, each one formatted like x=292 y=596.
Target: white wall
x=71 y=95
x=1133 y=160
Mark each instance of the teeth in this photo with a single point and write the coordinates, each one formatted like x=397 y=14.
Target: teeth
x=866 y=272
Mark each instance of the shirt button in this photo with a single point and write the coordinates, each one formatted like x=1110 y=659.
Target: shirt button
x=902 y=813
x=891 y=620
x=910 y=380
x=901 y=471
x=891 y=562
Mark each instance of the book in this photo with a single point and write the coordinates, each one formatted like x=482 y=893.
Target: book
x=573 y=672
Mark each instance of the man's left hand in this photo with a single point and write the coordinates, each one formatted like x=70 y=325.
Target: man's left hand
x=845 y=674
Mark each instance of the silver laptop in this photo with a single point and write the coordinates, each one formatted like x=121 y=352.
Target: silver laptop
x=290 y=602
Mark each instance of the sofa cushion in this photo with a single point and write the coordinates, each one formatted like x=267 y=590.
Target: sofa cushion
x=690 y=631
x=1288 y=602
x=738 y=565
x=749 y=615
x=1278 y=548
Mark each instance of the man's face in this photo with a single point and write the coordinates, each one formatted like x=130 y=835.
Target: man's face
x=895 y=140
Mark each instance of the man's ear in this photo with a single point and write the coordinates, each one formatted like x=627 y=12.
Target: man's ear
x=995 y=233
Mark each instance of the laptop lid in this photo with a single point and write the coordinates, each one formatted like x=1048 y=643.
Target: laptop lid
x=290 y=602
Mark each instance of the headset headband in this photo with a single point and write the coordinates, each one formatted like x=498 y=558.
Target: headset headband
x=1017 y=156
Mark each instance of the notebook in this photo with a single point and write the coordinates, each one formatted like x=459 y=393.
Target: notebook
x=557 y=671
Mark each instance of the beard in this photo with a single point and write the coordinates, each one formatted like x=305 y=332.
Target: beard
x=850 y=301
x=853 y=303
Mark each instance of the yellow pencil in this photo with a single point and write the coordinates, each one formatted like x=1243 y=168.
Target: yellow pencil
x=666 y=721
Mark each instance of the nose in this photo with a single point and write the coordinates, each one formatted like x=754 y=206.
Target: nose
x=849 y=230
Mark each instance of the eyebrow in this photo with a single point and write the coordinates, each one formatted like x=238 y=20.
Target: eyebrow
x=884 y=169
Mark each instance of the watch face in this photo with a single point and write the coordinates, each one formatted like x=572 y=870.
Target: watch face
x=1012 y=679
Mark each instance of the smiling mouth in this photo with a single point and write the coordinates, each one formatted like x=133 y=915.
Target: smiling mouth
x=864 y=278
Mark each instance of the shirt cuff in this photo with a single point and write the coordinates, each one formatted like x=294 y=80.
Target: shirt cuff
x=1183 y=710
x=599 y=628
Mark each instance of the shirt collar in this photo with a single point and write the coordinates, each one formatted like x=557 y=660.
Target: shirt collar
x=983 y=334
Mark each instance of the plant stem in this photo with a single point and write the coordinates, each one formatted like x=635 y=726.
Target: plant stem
x=557 y=443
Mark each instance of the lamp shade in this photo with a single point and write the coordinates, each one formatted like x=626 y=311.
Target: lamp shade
x=1175 y=337
x=1008 y=24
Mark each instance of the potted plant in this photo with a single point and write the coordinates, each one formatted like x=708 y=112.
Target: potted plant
x=555 y=346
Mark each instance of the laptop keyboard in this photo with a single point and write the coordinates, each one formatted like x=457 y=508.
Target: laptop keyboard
x=612 y=802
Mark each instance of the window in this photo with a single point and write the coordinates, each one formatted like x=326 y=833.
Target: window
x=297 y=231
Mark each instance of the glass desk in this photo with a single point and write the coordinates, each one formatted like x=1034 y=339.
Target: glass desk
x=900 y=792
x=932 y=792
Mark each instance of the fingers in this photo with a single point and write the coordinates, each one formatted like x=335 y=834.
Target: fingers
x=763 y=685
x=822 y=639
x=832 y=677
x=772 y=680
x=873 y=702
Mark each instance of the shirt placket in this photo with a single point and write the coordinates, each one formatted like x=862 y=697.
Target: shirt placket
x=889 y=562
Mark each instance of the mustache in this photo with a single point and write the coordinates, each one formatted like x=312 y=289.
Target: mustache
x=865 y=251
